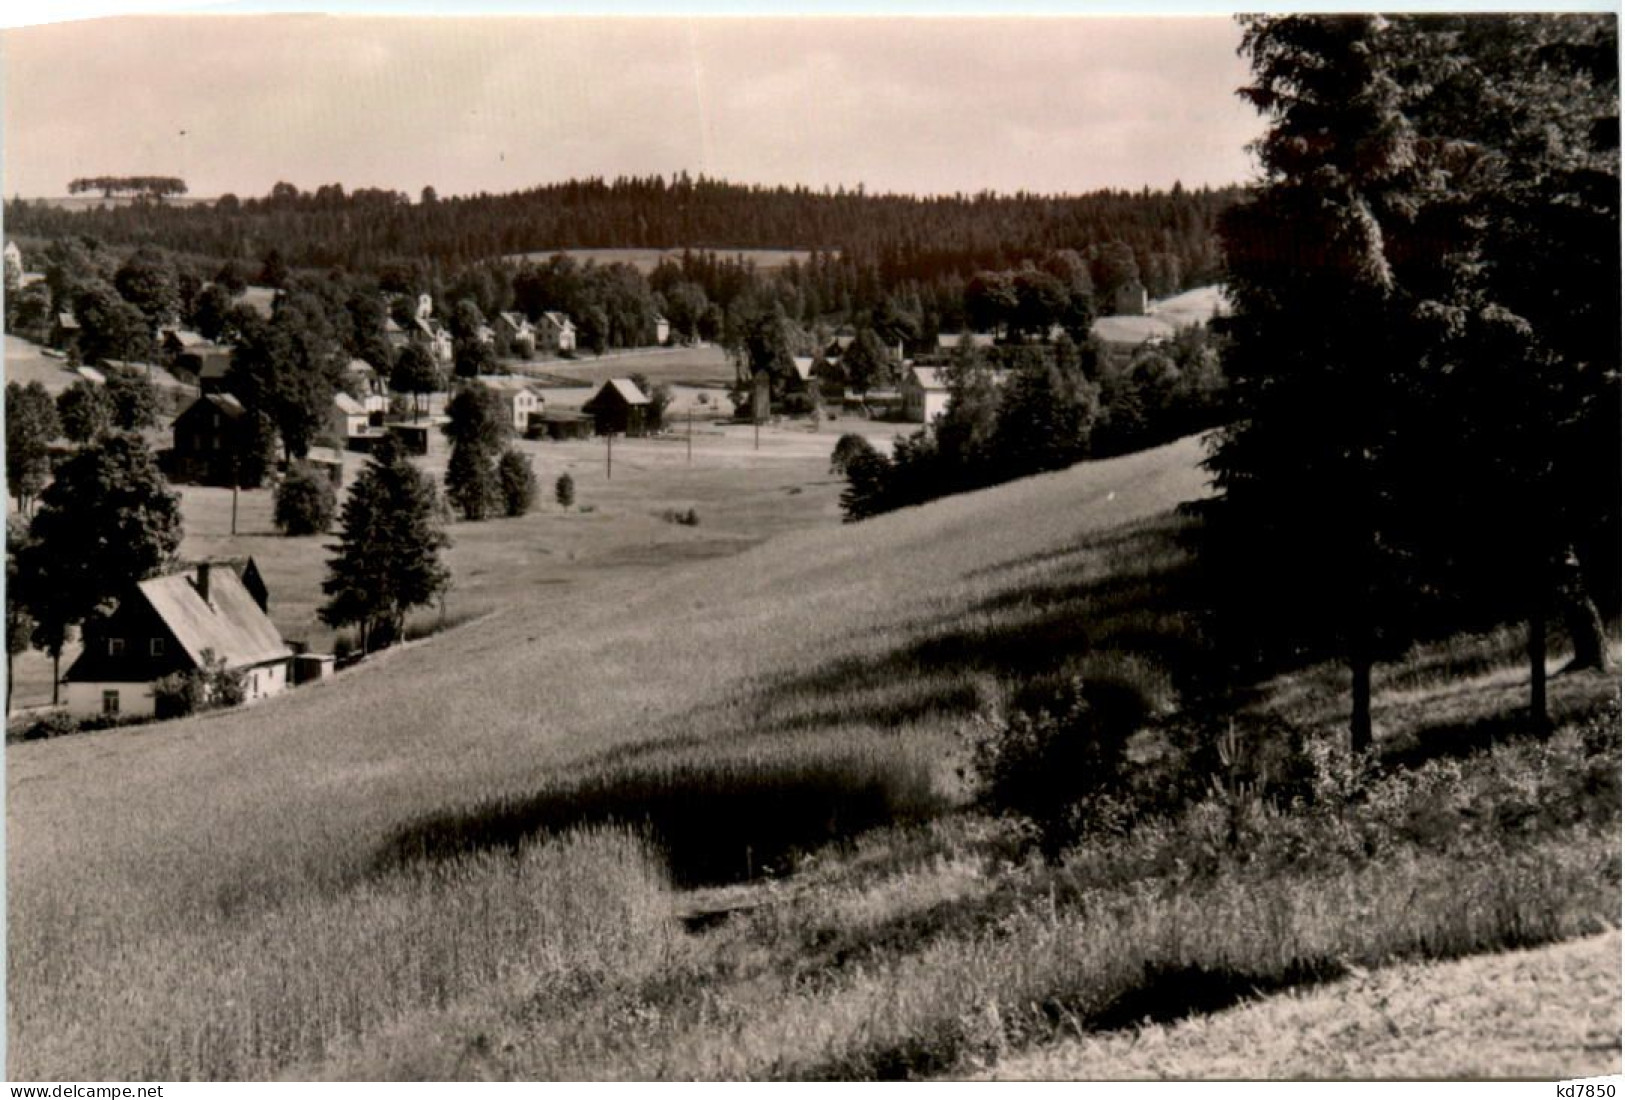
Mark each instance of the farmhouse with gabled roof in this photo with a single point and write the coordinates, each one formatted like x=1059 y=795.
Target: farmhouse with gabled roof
x=176 y=624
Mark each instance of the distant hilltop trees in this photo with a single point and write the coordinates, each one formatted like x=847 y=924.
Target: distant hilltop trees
x=157 y=188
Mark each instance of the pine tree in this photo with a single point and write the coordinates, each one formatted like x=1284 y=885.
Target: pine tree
x=476 y=427
x=1324 y=355
x=387 y=560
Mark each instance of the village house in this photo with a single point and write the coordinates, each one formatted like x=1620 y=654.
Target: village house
x=14 y=261
x=951 y=341
x=1129 y=300
x=260 y=299
x=519 y=398
x=65 y=332
x=619 y=407
x=925 y=394
x=555 y=332
x=178 y=340
x=213 y=369
x=179 y=623
x=351 y=413
x=662 y=329
x=202 y=361
x=207 y=438
x=520 y=332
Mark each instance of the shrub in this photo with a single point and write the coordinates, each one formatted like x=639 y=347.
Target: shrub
x=305 y=502
x=213 y=685
x=517 y=481
x=847 y=448
x=564 y=491
x=57 y=723
x=690 y=518
x=1058 y=760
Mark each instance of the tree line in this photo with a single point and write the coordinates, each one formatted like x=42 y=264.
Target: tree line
x=863 y=248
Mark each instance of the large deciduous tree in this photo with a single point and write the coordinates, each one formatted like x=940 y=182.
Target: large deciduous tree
x=31 y=424
x=107 y=520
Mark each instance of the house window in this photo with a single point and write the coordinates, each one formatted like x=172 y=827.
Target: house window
x=109 y=702
x=156 y=649
x=115 y=647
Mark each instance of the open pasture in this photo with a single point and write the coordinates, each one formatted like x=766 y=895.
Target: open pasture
x=742 y=495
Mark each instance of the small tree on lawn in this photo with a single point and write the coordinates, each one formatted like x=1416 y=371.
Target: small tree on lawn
x=564 y=491
x=31 y=424
x=305 y=502
x=518 y=482
x=387 y=560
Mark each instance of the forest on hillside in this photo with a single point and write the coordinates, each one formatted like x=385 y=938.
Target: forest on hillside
x=863 y=244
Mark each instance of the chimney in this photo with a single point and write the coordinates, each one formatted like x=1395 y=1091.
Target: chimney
x=203 y=580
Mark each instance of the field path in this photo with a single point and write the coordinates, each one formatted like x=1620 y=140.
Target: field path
x=1548 y=1013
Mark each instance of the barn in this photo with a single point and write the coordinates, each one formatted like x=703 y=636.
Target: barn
x=619 y=407
x=176 y=624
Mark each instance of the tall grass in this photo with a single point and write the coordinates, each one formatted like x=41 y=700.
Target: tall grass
x=245 y=997
x=716 y=818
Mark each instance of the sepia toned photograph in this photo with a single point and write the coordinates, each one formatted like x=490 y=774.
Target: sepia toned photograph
x=877 y=547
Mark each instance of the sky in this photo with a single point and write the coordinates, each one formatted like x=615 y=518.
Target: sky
x=236 y=103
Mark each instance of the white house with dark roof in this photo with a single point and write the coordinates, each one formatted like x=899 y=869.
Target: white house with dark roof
x=352 y=412
x=518 y=395
x=555 y=332
x=925 y=394
x=176 y=624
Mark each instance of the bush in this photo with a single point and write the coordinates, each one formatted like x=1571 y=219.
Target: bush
x=57 y=723
x=564 y=491
x=847 y=448
x=1058 y=759
x=690 y=518
x=305 y=502
x=517 y=481
x=206 y=688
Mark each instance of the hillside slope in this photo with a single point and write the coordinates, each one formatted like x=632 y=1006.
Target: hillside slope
x=116 y=837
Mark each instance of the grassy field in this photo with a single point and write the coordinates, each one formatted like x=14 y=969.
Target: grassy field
x=701 y=366
x=742 y=495
x=688 y=810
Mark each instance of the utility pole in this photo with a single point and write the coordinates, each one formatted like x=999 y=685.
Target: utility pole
x=691 y=435
x=609 y=455
x=236 y=480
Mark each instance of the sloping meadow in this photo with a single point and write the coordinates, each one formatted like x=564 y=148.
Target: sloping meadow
x=513 y=804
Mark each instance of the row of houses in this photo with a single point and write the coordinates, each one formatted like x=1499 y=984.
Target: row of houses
x=215 y=614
